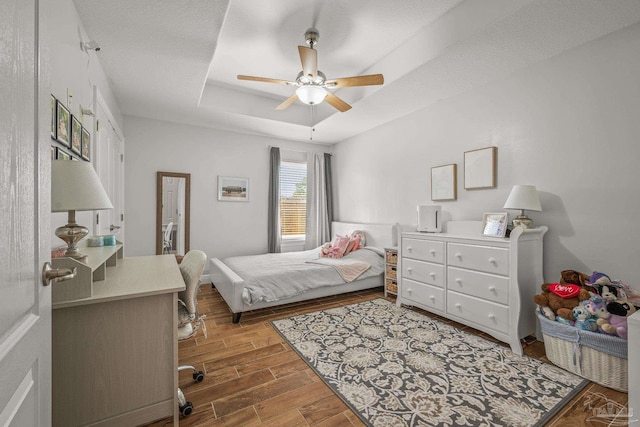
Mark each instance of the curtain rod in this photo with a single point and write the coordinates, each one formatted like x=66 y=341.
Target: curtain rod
x=298 y=151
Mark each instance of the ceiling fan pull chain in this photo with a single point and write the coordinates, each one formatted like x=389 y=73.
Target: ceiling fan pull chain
x=312 y=128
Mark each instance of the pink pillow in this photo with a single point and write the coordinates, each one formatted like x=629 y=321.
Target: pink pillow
x=352 y=245
x=360 y=235
x=338 y=246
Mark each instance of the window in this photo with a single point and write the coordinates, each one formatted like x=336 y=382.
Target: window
x=293 y=199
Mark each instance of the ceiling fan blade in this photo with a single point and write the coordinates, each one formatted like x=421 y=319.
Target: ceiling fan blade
x=370 y=80
x=265 y=79
x=337 y=103
x=309 y=59
x=290 y=100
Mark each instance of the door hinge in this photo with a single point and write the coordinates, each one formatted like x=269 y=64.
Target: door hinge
x=121 y=217
x=97 y=219
x=121 y=158
x=97 y=125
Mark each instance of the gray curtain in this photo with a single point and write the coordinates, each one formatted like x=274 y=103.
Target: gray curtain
x=328 y=188
x=319 y=207
x=273 y=234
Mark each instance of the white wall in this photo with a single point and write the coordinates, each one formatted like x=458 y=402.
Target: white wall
x=74 y=73
x=218 y=228
x=569 y=125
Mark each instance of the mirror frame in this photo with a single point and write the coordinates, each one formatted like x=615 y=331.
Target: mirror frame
x=187 y=208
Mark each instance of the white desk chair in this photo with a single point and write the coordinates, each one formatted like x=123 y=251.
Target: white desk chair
x=189 y=319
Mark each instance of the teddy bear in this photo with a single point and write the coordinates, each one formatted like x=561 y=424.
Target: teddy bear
x=584 y=319
x=617 y=322
x=558 y=299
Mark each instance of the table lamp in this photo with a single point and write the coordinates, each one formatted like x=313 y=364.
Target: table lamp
x=75 y=186
x=523 y=197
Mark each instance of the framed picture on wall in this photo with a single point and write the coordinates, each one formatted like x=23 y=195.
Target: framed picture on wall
x=494 y=224
x=233 y=189
x=444 y=182
x=480 y=168
x=86 y=144
x=53 y=117
x=62 y=155
x=63 y=124
x=76 y=135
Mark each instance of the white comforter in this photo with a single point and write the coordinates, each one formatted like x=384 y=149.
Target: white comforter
x=271 y=277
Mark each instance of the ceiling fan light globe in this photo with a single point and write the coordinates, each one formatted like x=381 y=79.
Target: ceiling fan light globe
x=311 y=94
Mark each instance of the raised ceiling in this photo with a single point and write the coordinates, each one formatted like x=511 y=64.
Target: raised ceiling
x=178 y=60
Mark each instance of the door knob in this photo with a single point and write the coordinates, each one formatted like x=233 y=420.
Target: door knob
x=57 y=274
x=113 y=227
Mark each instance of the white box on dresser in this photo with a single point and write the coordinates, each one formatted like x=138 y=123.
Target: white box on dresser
x=484 y=282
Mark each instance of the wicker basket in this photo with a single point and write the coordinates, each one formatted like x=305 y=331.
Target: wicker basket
x=391 y=271
x=392 y=257
x=597 y=357
x=392 y=286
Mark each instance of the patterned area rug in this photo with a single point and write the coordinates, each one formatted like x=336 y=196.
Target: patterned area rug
x=396 y=367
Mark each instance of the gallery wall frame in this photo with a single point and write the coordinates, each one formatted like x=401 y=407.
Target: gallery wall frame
x=76 y=135
x=444 y=182
x=480 y=170
x=63 y=124
x=233 y=189
x=86 y=144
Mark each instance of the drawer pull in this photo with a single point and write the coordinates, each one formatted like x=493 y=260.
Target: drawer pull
x=409 y=290
x=432 y=274
x=409 y=270
x=493 y=261
x=459 y=281
x=432 y=252
x=492 y=316
x=458 y=305
x=459 y=256
x=492 y=288
x=432 y=298
x=409 y=249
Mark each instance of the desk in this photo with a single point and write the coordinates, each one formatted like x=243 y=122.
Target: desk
x=115 y=353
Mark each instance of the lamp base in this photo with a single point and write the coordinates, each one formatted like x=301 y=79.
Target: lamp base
x=522 y=221
x=72 y=233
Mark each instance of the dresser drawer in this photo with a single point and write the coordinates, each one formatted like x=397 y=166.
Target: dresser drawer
x=426 y=272
x=476 y=257
x=480 y=312
x=422 y=294
x=425 y=250
x=482 y=285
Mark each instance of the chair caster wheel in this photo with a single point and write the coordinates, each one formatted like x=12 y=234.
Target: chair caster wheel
x=186 y=409
x=198 y=376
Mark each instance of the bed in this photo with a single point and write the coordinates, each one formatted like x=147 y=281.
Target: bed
x=303 y=275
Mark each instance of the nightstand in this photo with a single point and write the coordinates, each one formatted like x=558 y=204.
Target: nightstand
x=390 y=271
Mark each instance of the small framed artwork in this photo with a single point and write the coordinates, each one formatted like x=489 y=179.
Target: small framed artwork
x=62 y=155
x=233 y=189
x=53 y=117
x=63 y=120
x=86 y=144
x=494 y=224
x=480 y=168
x=444 y=182
x=76 y=135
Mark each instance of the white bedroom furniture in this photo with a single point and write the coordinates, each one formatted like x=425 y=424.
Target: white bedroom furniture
x=230 y=285
x=115 y=350
x=483 y=282
x=390 y=271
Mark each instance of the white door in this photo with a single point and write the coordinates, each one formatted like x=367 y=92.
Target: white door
x=109 y=164
x=25 y=304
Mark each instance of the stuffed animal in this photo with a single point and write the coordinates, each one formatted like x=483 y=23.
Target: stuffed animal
x=604 y=287
x=597 y=307
x=584 y=319
x=558 y=299
x=617 y=322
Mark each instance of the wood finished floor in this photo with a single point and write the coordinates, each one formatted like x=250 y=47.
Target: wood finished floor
x=253 y=378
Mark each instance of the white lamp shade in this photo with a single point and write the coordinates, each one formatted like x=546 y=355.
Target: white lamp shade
x=311 y=94
x=75 y=186
x=523 y=197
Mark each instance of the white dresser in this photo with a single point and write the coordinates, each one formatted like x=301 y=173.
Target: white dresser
x=483 y=282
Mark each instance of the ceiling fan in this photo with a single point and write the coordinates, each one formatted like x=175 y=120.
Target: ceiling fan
x=312 y=84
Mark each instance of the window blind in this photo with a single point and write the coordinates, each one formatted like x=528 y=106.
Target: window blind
x=293 y=198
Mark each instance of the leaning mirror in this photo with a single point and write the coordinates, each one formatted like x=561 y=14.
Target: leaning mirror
x=173 y=191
